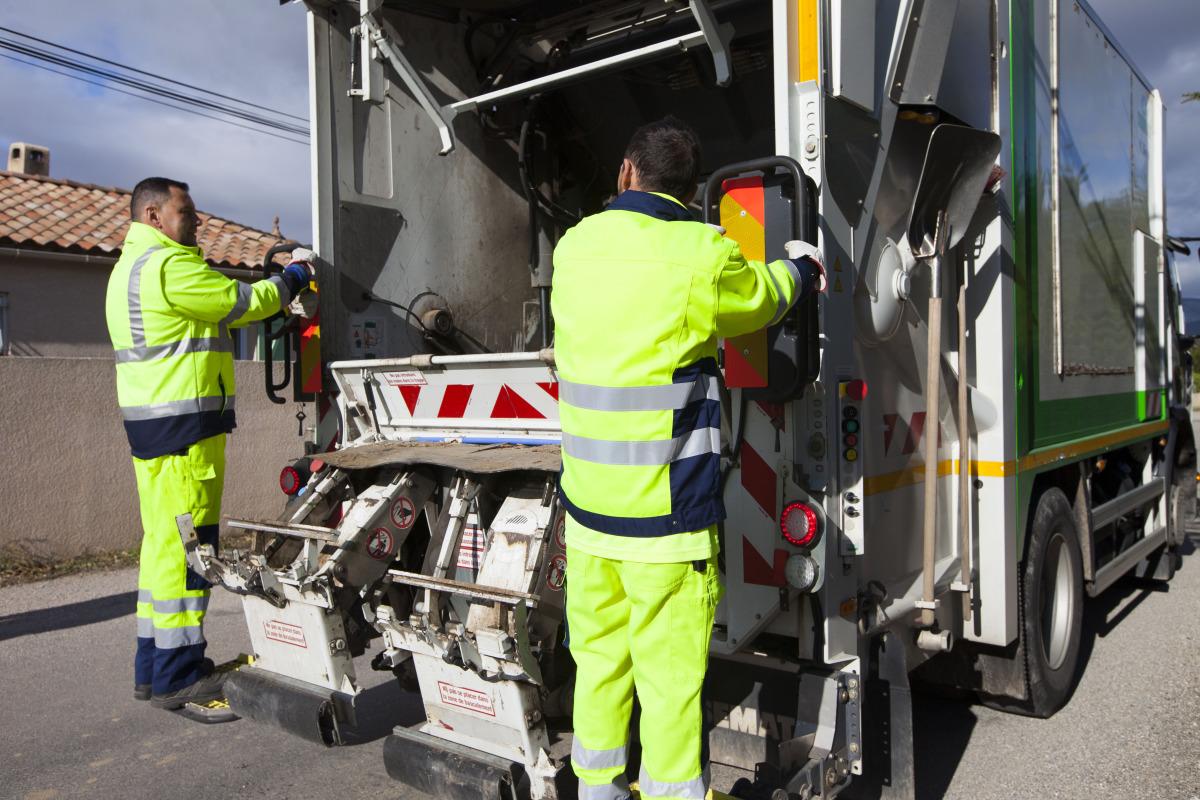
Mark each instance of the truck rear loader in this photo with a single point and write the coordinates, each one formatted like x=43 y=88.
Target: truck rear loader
x=927 y=471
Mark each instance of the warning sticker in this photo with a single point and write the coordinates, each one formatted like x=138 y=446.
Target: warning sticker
x=285 y=632
x=560 y=532
x=470 y=552
x=556 y=573
x=380 y=544
x=469 y=699
x=404 y=513
x=409 y=377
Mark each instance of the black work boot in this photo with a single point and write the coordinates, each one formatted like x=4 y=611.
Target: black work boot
x=202 y=691
x=142 y=691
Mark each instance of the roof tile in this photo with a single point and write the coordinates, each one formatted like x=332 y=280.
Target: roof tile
x=67 y=216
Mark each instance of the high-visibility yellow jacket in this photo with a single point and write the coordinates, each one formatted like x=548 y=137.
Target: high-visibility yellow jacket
x=169 y=316
x=641 y=294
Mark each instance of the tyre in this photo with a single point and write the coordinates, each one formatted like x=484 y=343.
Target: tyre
x=1051 y=598
x=1182 y=508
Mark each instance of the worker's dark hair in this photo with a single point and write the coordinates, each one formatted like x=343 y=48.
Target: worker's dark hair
x=667 y=156
x=150 y=191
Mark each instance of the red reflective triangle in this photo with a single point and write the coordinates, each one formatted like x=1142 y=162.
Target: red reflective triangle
x=410 y=395
x=510 y=405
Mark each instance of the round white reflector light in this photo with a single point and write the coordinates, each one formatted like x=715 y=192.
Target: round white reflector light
x=801 y=572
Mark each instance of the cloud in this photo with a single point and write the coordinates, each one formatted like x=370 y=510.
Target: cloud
x=256 y=51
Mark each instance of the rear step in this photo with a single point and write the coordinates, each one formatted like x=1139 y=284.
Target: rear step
x=448 y=769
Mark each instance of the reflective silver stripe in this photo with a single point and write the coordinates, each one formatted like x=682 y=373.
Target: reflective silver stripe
x=618 y=789
x=664 y=397
x=144 y=596
x=695 y=789
x=153 y=352
x=180 y=605
x=170 y=638
x=145 y=629
x=244 y=295
x=133 y=296
x=175 y=408
x=285 y=294
x=584 y=758
x=656 y=452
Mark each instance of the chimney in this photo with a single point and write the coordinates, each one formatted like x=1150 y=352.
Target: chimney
x=29 y=159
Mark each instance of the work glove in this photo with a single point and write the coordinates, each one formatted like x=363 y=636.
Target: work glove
x=718 y=228
x=297 y=275
x=797 y=250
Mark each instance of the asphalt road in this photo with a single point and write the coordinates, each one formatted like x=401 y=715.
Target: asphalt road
x=69 y=726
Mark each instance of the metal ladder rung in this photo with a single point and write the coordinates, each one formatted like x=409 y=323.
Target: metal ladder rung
x=293 y=529
x=488 y=593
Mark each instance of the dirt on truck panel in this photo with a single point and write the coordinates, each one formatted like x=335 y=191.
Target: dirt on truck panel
x=482 y=458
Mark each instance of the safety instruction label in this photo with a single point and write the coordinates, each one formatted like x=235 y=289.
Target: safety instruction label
x=380 y=544
x=469 y=699
x=285 y=632
x=470 y=552
x=556 y=573
x=408 y=377
x=404 y=513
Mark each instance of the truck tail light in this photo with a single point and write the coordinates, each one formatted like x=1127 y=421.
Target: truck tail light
x=290 y=481
x=799 y=524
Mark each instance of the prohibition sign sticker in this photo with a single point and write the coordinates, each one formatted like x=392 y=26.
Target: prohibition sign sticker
x=404 y=513
x=379 y=545
x=556 y=573
x=560 y=532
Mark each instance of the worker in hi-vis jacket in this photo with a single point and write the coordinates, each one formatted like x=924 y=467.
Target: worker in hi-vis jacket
x=641 y=294
x=169 y=317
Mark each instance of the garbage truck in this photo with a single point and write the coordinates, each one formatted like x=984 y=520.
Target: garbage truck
x=927 y=471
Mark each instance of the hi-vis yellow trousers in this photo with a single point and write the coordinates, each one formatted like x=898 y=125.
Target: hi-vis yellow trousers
x=644 y=626
x=172 y=600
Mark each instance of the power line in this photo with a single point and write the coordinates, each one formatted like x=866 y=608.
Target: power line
x=151 y=99
x=133 y=83
x=149 y=74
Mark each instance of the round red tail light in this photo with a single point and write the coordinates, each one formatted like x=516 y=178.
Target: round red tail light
x=289 y=480
x=799 y=524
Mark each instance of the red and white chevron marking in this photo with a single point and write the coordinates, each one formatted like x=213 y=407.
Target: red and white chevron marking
x=481 y=401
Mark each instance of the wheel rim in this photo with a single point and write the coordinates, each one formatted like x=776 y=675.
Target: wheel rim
x=1057 y=602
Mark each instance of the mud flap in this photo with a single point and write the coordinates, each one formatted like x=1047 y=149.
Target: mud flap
x=310 y=712
x=447 y=769
x=888 y=725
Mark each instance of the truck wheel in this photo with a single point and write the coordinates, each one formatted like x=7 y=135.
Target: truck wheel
x=1052 y=604
x=1183 y=508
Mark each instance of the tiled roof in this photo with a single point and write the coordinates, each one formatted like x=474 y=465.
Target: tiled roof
x=69 y=217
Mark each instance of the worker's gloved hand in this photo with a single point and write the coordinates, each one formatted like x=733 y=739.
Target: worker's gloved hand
x=797 y=250
x=304 y=305
x=297 y=276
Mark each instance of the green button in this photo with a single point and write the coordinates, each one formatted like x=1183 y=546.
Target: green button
x=850 y=426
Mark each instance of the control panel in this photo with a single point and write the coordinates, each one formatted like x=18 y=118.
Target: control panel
x=851 y=394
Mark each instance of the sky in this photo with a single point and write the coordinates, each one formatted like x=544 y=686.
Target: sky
x=256 y=50
x=250 y=49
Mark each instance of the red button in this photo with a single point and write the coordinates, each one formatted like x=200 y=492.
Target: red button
x=850 y=439
x=856 y=390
